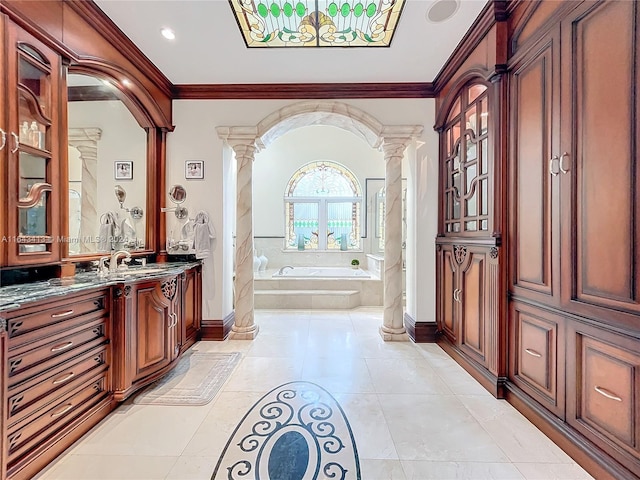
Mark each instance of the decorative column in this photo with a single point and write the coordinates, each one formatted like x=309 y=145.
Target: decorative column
x=394 y=140
x=243 y=142
x=86 y=141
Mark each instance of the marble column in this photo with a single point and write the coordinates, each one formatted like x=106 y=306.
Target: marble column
x=244 y=327
x=85 y=140
x=392 y=328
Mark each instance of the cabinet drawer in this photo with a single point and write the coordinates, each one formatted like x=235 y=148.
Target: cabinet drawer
x=37 y=322
x=31 y=360
x=536 y=349
x=30 y=396
x=26 y=435
x=604 y=390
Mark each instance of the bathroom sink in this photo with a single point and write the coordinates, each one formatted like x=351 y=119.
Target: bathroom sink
x=141 y=271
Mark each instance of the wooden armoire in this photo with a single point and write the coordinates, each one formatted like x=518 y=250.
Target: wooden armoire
x=538 y=246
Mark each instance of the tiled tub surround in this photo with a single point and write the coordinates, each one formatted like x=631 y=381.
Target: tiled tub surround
x=12 y=297
x=317 y=292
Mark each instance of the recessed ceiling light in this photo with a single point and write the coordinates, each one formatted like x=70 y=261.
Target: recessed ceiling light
x=168 y=33
x=442 y=10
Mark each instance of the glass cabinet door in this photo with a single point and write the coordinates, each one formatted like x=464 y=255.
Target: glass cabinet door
x=34 y=75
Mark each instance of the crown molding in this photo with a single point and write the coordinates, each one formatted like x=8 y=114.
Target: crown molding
x=494 y=11
x=99 y=21
x=301 y=91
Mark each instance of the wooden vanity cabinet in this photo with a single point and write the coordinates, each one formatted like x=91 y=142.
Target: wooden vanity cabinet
x=56 y=379
x=157 y=320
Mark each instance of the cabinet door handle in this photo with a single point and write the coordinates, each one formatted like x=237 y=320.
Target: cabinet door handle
x=533 y=353
x=561 y=163
x=175 y=319
x=60 y=380
x=16 y=142
x=554 y=173
x=62 y=346
x=63 y=314
x=455 y=295
x=62 y=411
x=3 y=138
x=607 y=393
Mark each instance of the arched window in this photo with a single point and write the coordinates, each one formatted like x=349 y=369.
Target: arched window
x=322 y=208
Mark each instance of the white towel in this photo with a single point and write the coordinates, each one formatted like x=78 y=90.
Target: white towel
x=107 y=232
x=203 y=232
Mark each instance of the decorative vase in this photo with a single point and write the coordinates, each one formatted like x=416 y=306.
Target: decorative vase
x=256 y=262
x=263 y=262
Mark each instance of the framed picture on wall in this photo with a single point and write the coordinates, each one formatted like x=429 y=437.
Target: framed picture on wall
x=123 y=169
x=194 y=169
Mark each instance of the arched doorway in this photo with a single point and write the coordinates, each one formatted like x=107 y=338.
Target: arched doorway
x=246 y=140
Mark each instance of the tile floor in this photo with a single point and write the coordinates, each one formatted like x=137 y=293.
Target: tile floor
x=415 y=414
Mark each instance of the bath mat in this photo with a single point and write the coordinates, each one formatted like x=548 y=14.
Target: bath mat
x=194 y=381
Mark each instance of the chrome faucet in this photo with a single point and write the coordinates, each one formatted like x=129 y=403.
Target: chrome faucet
x=113 y=263
x=103 y=270
x=281 y=271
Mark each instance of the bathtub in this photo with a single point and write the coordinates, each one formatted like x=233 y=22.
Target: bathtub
x=322 y=272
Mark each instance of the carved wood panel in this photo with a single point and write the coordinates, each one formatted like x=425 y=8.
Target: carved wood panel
x=472 y=298
x=534 y=209
x=153 y=340
x=600 y=137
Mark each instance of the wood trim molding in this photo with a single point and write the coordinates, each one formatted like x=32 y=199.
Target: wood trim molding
x=217 y=329
x=91 y=93
x=285 y=91
x=98 y=20
x=420 y=332
x=493 y=11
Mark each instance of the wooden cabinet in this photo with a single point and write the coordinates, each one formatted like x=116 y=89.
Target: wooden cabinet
x=191 y=311
x=573 y=224
x=57 y=379
x=33 y=75
x=603 y=375
x=468 y=311
x=157 y=320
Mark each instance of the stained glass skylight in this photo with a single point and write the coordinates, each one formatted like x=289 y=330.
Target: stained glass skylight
x=317 y=23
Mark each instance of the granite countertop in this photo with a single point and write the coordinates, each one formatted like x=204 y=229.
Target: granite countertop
x=15 y=296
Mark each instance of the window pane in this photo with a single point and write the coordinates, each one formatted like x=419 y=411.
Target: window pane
x=325 y=179
x=475 y=91
x=303 y=222
x=342 y=233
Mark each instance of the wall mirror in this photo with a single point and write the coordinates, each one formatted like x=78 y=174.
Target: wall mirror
x=107 y=147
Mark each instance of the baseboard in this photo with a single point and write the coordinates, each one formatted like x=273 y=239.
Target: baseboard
x=420 y=332
x=493 y=383
x=217 y=329
x=586 y=454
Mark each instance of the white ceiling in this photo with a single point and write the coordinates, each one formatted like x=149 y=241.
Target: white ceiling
x=210 y=49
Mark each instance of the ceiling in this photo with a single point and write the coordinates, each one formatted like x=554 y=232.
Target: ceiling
x=209 y=48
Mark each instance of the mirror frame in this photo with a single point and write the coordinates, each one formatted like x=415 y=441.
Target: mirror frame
x=150 y=117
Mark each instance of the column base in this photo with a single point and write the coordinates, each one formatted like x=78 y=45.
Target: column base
x=393 y=334
x=244 y=333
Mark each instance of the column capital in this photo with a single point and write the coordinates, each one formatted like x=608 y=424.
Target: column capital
x=395 y=139
x=80 y=136
x=240 y=136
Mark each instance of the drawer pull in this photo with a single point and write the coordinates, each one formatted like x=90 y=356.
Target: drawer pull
x=60 y=380
x=63 y=314
x=533 y=353
x=607 y=393
x=62 y=411
x=62 y=346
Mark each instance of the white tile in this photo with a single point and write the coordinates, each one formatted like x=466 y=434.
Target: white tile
x=261 y=374
x=338 y=375
x=437 y=428
x=405 y=375
x=460 y=470
x=111 y=467
x=192 y=468
x=381 y=470
x=143 y=430
x=551 y=471
x=518 y=438
x=369 y=426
